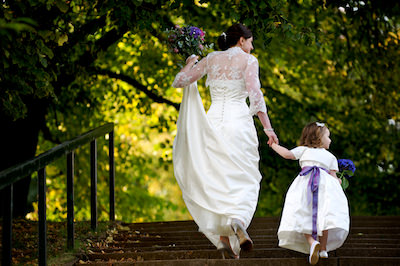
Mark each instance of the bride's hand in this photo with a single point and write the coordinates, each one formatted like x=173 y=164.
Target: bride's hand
x=192 y=59
x=272 y=138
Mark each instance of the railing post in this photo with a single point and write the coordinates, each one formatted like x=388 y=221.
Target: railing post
x=112 y=175
x=70 y=200
x=39 y=163
x=42 y=217
x=7 y=225
x=93 y=187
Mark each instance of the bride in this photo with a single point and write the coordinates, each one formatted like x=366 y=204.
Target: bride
x=216 y=155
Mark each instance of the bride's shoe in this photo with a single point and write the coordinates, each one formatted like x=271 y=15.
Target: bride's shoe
x=244 y=239
x=226 y=250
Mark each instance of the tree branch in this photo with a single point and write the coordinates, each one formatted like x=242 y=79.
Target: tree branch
x=88 y=57
x=137 y=85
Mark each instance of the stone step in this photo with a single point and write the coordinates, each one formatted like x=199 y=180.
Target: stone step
x=257 y=220
x=255 y=238
x=189 y=254
x=353 y=261
x=371 y=241
x=211 y=247
x=269 y=228
x=369 y=221
x=266 y=231
x=256 y=253
x=262 y=244
x=263 y=231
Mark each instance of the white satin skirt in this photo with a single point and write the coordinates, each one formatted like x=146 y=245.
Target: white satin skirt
x=333 y=214
x=216 y=160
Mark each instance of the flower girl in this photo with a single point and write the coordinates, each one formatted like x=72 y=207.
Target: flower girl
x=315 y=217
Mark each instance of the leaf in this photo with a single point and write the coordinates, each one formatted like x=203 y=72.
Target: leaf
x=62 y=39
x=43 y=60
x=345 y=183
x=394 y=35
x=348 y=172
x=62 y=5
x=47 y=51
x=27 y=20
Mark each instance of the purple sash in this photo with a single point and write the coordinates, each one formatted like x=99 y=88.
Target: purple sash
x=312 y=191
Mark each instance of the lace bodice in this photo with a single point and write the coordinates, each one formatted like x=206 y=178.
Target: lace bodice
x=232 y=74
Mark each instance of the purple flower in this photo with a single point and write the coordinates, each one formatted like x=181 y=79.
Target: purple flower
x=195 y=32
x=186 y=41
x=346 y=164
x=172 y=37
x=346 y=170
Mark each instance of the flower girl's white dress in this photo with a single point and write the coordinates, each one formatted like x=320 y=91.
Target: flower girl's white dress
x=333 y=211
x=216 y=155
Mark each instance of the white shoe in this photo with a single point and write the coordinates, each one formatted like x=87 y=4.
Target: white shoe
x=226 y=250
x=314 y=249
x=323 y=254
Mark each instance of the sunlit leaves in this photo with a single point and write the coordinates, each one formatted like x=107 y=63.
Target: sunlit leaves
x=350 y=83
x=317 y=62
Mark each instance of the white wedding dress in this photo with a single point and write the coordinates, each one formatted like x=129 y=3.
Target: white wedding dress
x=216 y=155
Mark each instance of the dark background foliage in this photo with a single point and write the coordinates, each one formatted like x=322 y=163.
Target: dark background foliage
x=69 y=66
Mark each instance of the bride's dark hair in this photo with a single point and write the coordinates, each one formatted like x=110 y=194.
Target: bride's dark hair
x=232 y=36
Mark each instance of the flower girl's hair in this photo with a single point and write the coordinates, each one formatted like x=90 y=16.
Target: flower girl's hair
x=312 y=134
x=232 y=35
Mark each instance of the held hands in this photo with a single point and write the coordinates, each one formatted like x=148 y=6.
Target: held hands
x=272 y=138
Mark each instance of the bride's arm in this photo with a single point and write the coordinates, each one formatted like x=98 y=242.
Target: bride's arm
x=257 y=102
x=190 y=73
x=268 y=130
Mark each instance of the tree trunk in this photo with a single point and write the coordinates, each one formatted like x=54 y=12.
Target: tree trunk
x=19 y=142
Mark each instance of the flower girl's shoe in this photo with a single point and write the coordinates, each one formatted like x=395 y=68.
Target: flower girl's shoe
x=226 y=250
x=323 y=254
x=314 y=249
x=244 y=239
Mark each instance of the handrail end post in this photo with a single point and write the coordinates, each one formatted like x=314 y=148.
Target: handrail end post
x=6 y=258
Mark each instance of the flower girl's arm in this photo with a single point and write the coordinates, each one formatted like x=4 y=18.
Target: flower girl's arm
x=333 y=173
x=282 y=151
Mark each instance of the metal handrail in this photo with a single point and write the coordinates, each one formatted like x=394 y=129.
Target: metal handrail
x=15 y=173
x=20 y=171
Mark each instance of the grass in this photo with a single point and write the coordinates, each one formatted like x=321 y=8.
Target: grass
x=25 y=241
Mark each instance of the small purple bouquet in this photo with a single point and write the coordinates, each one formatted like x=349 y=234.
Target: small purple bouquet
x=346 y=170
x=186 y=41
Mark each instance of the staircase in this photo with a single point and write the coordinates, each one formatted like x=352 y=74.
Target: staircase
x=372 y=241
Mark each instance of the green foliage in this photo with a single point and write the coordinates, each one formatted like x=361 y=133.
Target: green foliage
x=98 y=61
x=345 y=81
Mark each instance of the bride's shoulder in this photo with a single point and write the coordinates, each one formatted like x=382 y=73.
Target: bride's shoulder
x=251 y=59
x=214 y=53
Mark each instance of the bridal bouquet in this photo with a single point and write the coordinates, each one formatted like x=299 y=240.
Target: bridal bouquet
x=186 y=41
x=346 y=170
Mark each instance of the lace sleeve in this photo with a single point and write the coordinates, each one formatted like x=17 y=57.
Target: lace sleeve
x=183 y=79
x=257 y=103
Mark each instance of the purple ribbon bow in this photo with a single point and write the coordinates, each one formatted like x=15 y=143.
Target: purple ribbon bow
x=312 y=191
